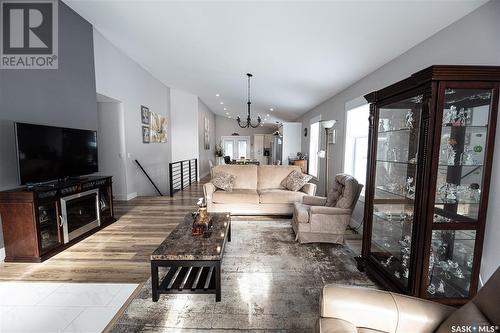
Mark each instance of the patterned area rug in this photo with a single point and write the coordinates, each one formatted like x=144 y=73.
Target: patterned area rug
x=270 y=283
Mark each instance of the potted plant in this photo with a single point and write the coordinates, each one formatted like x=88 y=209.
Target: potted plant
x=219 y=153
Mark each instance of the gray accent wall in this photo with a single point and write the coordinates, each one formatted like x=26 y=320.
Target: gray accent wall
x=62 y=97
x=473 y=40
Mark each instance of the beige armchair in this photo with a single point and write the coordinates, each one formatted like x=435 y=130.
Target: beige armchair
x=325 y=219
x=353 y=310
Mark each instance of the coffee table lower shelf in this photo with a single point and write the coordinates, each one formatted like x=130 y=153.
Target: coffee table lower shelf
x=186 y=277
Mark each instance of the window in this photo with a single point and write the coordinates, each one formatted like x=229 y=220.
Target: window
x=228 y=149
x=242 y=149
x=356 y=143
x=314 y=147
x=236 y=147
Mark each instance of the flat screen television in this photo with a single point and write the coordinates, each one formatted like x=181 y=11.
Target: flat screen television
x=47 y=153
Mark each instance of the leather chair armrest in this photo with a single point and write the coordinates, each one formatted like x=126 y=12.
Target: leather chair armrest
x=208 y=190
x=418 y=315
x=329 y=210
x=313 y=200
x=381 y=310
x=309 y=189
x=362 y=307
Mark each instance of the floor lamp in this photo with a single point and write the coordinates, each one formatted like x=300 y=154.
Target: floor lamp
x=327 y=125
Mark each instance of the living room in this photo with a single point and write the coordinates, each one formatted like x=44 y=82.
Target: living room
x=316 y=133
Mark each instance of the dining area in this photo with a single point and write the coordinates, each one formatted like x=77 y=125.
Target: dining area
x=240 y=161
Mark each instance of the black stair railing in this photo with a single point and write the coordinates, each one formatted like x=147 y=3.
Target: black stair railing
x=182 y=174
x=152 y=183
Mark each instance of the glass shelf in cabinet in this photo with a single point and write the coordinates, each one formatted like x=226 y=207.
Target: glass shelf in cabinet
x=459 y=213
x=461 y=165
x=442 y=216
x=398 y=130
x=397 y=162
x=464 y=126
x=387 y=244
x=380 y=246
x=394 y=217
x=399 y=195
x=440 y=202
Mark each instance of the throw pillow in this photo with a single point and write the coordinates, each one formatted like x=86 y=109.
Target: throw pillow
x=295 y=180
x=223 y=181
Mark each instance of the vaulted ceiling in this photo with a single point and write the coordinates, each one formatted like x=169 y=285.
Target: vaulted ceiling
x=301 y=52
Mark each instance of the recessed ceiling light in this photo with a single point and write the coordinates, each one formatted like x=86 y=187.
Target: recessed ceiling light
x=229 y=117
x=221 y=103
x=271 y=109
x=227 y=113
x=217 y=95
x=267 y=115
x=225 y=109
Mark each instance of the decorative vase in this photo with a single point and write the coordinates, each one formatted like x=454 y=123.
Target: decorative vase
x=202 y=223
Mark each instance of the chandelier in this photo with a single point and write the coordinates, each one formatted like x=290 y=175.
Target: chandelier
x=248 y=122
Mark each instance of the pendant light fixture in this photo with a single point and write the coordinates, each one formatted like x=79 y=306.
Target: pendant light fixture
x=248 y=122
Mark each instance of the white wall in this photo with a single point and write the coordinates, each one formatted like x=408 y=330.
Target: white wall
x=184 y=110
x=205 y=155
x=472 y=40
x=112 y=149
x=119 y=77
x=291 y=140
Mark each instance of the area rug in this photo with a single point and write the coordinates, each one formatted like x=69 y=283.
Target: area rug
x=269 y=283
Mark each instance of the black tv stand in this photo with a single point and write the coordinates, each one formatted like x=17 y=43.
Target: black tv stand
x=69 y=180
x=56 y=183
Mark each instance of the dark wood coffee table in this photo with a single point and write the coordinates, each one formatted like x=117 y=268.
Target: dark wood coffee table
x=193 y=262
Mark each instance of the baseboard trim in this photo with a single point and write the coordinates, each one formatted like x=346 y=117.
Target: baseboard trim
x=131 y=196
x=127 y=197
x=119 y=197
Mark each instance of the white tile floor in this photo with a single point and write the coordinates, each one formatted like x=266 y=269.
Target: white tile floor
x=60 y=307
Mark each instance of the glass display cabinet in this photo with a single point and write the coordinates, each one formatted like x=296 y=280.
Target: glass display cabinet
x=430 y=161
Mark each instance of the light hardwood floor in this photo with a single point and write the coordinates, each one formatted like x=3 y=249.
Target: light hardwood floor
x=119 y=252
